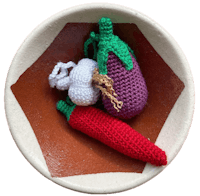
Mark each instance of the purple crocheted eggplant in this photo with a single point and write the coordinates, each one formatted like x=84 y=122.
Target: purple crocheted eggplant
x=116 y=60
x=130 y=87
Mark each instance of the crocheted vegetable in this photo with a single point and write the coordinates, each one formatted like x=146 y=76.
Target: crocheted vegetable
x=58 y=78
x=78 y=83
x=116 y=59
x=112 y=132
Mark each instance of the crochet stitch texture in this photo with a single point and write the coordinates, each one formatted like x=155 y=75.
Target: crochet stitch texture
x=112 y=132
x=116 y=59
x=78 y=82
x=66 y=107
x=81 y=90
x=108 y=42
x=130 y=87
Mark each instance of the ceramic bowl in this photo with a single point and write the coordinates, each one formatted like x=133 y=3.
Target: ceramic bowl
x=119 y=175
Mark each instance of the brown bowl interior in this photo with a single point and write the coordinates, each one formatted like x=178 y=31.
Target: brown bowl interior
x=68 y=152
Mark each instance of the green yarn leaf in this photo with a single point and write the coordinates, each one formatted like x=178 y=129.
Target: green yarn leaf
x=108 y=42
x=132 y=52
x=66 y=107
x=102 y=58
x=118 y=47
x=92 y=40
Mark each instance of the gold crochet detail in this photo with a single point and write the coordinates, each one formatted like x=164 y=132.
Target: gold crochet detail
x=100 y=79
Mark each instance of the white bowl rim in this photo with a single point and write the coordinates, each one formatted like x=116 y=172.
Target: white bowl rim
x=171 y=53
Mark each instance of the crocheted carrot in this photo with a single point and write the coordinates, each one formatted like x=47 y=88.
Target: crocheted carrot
x=117 y=60
x=112 y=132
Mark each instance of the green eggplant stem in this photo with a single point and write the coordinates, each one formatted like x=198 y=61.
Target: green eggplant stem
x=108 y=42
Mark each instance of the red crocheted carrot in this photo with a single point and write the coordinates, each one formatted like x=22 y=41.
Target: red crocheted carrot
x=112 y=132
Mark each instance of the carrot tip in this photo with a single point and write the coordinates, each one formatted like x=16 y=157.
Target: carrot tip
x=163 y=160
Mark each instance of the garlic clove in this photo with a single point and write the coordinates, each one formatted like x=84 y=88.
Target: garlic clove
x=63 y=83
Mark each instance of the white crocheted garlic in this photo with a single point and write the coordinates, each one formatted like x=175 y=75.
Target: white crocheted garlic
x=58 y=77
x=78 y=83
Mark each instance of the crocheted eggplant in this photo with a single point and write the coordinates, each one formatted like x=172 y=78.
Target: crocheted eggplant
x=112 y=132
x=117 y=60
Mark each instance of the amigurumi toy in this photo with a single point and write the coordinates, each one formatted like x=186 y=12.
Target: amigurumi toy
x=117 y=60
x=78 y=83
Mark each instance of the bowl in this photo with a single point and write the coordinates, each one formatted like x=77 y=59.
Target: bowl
x=68 y=157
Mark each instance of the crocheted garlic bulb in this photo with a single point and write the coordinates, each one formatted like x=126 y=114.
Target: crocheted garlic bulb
x=81 y=90
x=78 y=83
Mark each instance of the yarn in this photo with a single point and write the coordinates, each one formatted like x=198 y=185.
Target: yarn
x=66 y=107
x=108 y=91
x=58 y=77
x=130 y=87
x=112 y=132
x=81 y=91
x=108 y=42
x=78 y=82
x=117 y=60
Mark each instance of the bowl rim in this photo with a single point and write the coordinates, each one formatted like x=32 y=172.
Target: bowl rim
x=118 y=182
